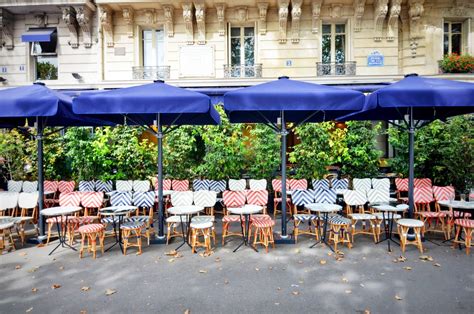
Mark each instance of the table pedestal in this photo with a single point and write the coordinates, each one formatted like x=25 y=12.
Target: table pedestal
x=388 y=229
x=245 y=233
x=61 y=237
x=322 y=238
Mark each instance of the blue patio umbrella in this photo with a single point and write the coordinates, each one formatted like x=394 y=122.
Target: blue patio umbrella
x=417 y=98
x=281 y=101
x=37 y=105
x=156 y=103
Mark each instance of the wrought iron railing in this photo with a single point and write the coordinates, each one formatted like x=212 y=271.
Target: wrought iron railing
x=231 y=71
x=344 y=68
x=151 y=73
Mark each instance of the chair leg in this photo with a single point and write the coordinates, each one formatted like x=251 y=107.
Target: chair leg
x=83 y=240
x=50 y=227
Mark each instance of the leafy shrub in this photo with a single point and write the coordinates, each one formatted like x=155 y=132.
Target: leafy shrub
x=454 y=63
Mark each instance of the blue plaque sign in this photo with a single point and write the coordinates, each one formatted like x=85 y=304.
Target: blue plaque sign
x=375 y=59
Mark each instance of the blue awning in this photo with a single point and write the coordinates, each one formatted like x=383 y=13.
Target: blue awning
x=38 y=34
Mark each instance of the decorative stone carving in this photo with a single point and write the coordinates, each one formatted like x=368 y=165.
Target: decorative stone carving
x=359 y=8
x=380 y=12
x=262 y=17
x=283 y=19
x=169 y=19
x=242 y=14
x=128 y=15
x=200 y=13
x=336 y=10
x=316 y=12
x=105 y=18
x=69 y=18
x=295 y=20
x=459 y=7
x=41 y=20
x=220 y=7
x=188 y=21
x=415 y=12
x=84 y=18
x=395 y=8
x=6 y=29
x=149 y=16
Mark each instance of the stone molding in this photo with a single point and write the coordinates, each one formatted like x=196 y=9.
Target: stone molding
x=262 y=17
x=6 y=29
x=200 y=13
x=380 y=12
x=107 y=24
x=84 y=19
x=295 y=20
x=168 y=11
x=395 y=9
x=359 y=8
x=415 y=12
x=283 y=19
x=128 y=15
x=188 y=21
x=69 y=18
x=315 y=14
x=220 y=7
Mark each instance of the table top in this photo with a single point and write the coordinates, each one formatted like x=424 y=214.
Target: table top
x=185 y=210
x=245 y=210
x=323 y=207
x=389 y=208
x=117 y=210
x=60 y=210
x=457 y=204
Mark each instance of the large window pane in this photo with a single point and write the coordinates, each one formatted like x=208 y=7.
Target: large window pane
x=249 y=31
x=446 y=27
x=47 y=68
x=235 y=51
x=326 y=49
x=340 y=43
x=340 y=28
x=446 y=44
x=235 y=32
x=326 y=28
x=160 y=49
x=148 y=59
x=456 y=43
x=456 y=28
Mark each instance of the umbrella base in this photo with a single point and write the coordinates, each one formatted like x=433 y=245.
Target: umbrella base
x=37 y=240
x=284 y=240
x=158 y=240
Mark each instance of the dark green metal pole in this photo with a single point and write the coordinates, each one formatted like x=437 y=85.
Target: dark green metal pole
x=39 y=140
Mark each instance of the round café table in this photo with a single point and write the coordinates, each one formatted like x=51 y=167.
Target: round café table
x=325 y=209
x=245 y=212
x=388 y=213
x=462 y=207
x=117 y=213
x=61 y=214
x=187 y=211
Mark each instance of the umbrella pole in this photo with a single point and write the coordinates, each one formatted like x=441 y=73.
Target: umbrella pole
x=411 y=170
x=160 y=239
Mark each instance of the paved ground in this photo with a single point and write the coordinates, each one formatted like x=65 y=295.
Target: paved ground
x=291 y=278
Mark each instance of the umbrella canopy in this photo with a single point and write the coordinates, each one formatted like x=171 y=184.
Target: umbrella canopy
x=429 y=98
x=141 y=104
x=301 y=102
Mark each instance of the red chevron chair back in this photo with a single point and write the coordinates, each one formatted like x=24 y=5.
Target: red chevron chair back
x=422 y=183
x=50 y=186
x=257 y=197
x=166 y=184
x=180 y=185
x=276 y=184
x=92 y=199
x=423 y=195
x=66 y=186
x=70 y=199
x=443 y=193
x=301 y=184
x=401 y=184
x=233 y=199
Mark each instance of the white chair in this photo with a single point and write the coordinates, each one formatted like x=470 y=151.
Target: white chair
x=378 y=196
x=381 y=184
x=362 y=185
x=124 y=185
x=9 y=201
x=15 y=186
x=206 y=199
x=257 y=185
x=178 y=198
x=30 y=186
x=27 y=202
x=141 y=186
x=237 y=185
x=355 y=200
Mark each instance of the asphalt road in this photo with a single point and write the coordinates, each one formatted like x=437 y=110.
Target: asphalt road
x=289 y=279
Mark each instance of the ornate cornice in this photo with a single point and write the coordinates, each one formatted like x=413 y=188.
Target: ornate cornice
x=316 y=13
x=6 y=29
x=84 y=19
x=188 y=21
x=200 y=12
x=359 y=8
x=459 y=7
x=168 y=10
x=107 y=24
x=415 y=12
x=242 y=14
x=128 y=15
x=150 y=16
x=283 y=19
x=395 y=8
x=295 y=20
x=69 y=18
x=220 y=7
x=262 y=17
x=380 y=12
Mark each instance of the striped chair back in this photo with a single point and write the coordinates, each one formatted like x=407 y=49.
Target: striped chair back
x=15 y=186
x=124 y=185
x=28 y=200
x=340 y=184
x=233 y=199
x=86 y=186
x=355 y=198
x=257 y=197
x=180 y=185
x=381 y=184
x=237 y=185
x=123 y=198
x=144 y=199
x=378 y=196
x=401 y=184
x=205 y=198
x=443 y=193
x=30 y=186
x=423 y=195
x=70 y=199
x=325 y=196
x=296 y=184
x=92 y=199
x=320 y=184
x=422 y=183
x=141 y=186
x=8 y=200
x=66 y=186
x=182 y=198
x=276 y=185
x=362 y=185
x=258 y=185
x=166 y=184
x=51 y=186
x=201 y=185
x=104 y=186
x=217 y=185
x=302 y=197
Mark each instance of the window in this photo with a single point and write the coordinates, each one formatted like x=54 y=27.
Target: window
x=46 y=58
x=452 y=39
x=153 y=52
x=334 y=43
x=242 y=51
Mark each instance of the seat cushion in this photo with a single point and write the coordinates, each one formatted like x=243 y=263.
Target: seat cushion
x=84 y=220
x=339 y=220
x=361 y=216
x=53 y=220
x=109 y=220
x=263 y=223
x=144 y=219
x=132 y=225
x=201 y=224
x=91 y=228
x=259 y=217
x=380 y=216
x=232 y=218
x=465 y=223
x=204 y=218
x=304 y=217
x=176 y=219
x=432 y=214
x=413 y=223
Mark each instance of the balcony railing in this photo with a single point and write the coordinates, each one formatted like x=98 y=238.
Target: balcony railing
x=151 y=73
x=231 y=71
x=344 y=68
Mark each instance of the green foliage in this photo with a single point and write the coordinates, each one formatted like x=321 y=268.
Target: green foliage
x=15 y=155
x=46 y=71
x=263 y=158
x=443 y=152
x=181 y=153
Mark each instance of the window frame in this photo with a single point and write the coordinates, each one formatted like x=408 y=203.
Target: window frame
x=450 y=34
x=242 y=40
x=333 y=35
x=140 y=57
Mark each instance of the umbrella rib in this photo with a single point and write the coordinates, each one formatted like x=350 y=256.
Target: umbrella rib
x=268 y=122
x=309 y=117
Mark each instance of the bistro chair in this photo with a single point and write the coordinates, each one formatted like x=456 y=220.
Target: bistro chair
x=321 y=184
x=263 y=230
x=276 y=185
x=178 y=198
x=130 y=229
x=141 y=186
x=206 y=199
x=144 y=201
x=104 y=186
x=403 y=226
x=401 y=185
x=124 y=185
x=361 y=185
x=218 y=186
x=259 y=198
x=6 y=227
x=339 y=231
x=201 y=185
x=86 y=186
x=204 y=229
x=381 y=184
x=355 y=201
x=302 y=198
x=180 y=185
x=117 y=198
x=90 y=233
x=28 y=202
x=431 y=219
x=237 y=185
x=378 y=196
x=9 y=204
x=15 y=186
x=467 y=226
x=66 y=199
x=422 y=183
x=50 y=186
x=339 y=185
x=232 y=199
x=296 y=184
x=446 y=193
x=92 y=201
x=327 y=196
x=30 y=186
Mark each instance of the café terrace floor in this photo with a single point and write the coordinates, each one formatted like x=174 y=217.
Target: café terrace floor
x=290 y=278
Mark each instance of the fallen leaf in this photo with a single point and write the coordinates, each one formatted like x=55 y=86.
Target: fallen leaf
x=395 y=260
x=61 y=268
x=257 y=269
x=17 y=267
x=278 y=288
x=407 y=268
x=402 y=259
x=41 y=245
x=83 y=312
x=383 y=274
x=330 y=253
x=29 y=310
x=348 y=291
x=34 y=290
x=203 y=271
x=270 y=268
x=362 y=285
x=220 y=268
x=110 y=291
x=397 y=297
x=301 y=281
x=276 y=303
x=322 y=262
x=187 y=311
x=437 y=264
x=22 y=253
x=297 y=251
x=171 y=260
x=295 y=293
x=344 y=279
x=85 y=288
x=217 y=259
x=226 y=282
x=32 y=270
x=55 y=286
x=366 y=312
x=172 y=253
x=426 y=258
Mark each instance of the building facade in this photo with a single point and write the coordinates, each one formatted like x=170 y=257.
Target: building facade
x=85 y=44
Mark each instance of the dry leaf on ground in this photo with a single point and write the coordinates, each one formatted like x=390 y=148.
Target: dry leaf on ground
x=187 y=311
x=83 y=312
x=257 y=269
x=41 y=245
x=426 y=258
x=17 y=267
x=171 y=260
x=402 y=259
x=22 y=253
x=217 y=259
x=397 y=297
x=29 y=310
x=226 y=282
x=110 y=291
x=85 y=288
x=437 y=264
x=344 y=279
x=172 y=253
x=34 y=290
x=322 y=262
x=32 y=270
x=366 y=312
x=61 y=267
x=203 y=271
x=295 y=292
x=407 y=268
x=55 y=286
x=348 y=291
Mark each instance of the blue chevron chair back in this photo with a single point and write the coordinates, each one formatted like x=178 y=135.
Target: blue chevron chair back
x=144 y=199
x=320 y=184
x=86 y=186
x=217 y=185
x=104 y=186
x=302 y=197
x=340 y=184
x=325 y=196
x=121 y=198
x=201 y=185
